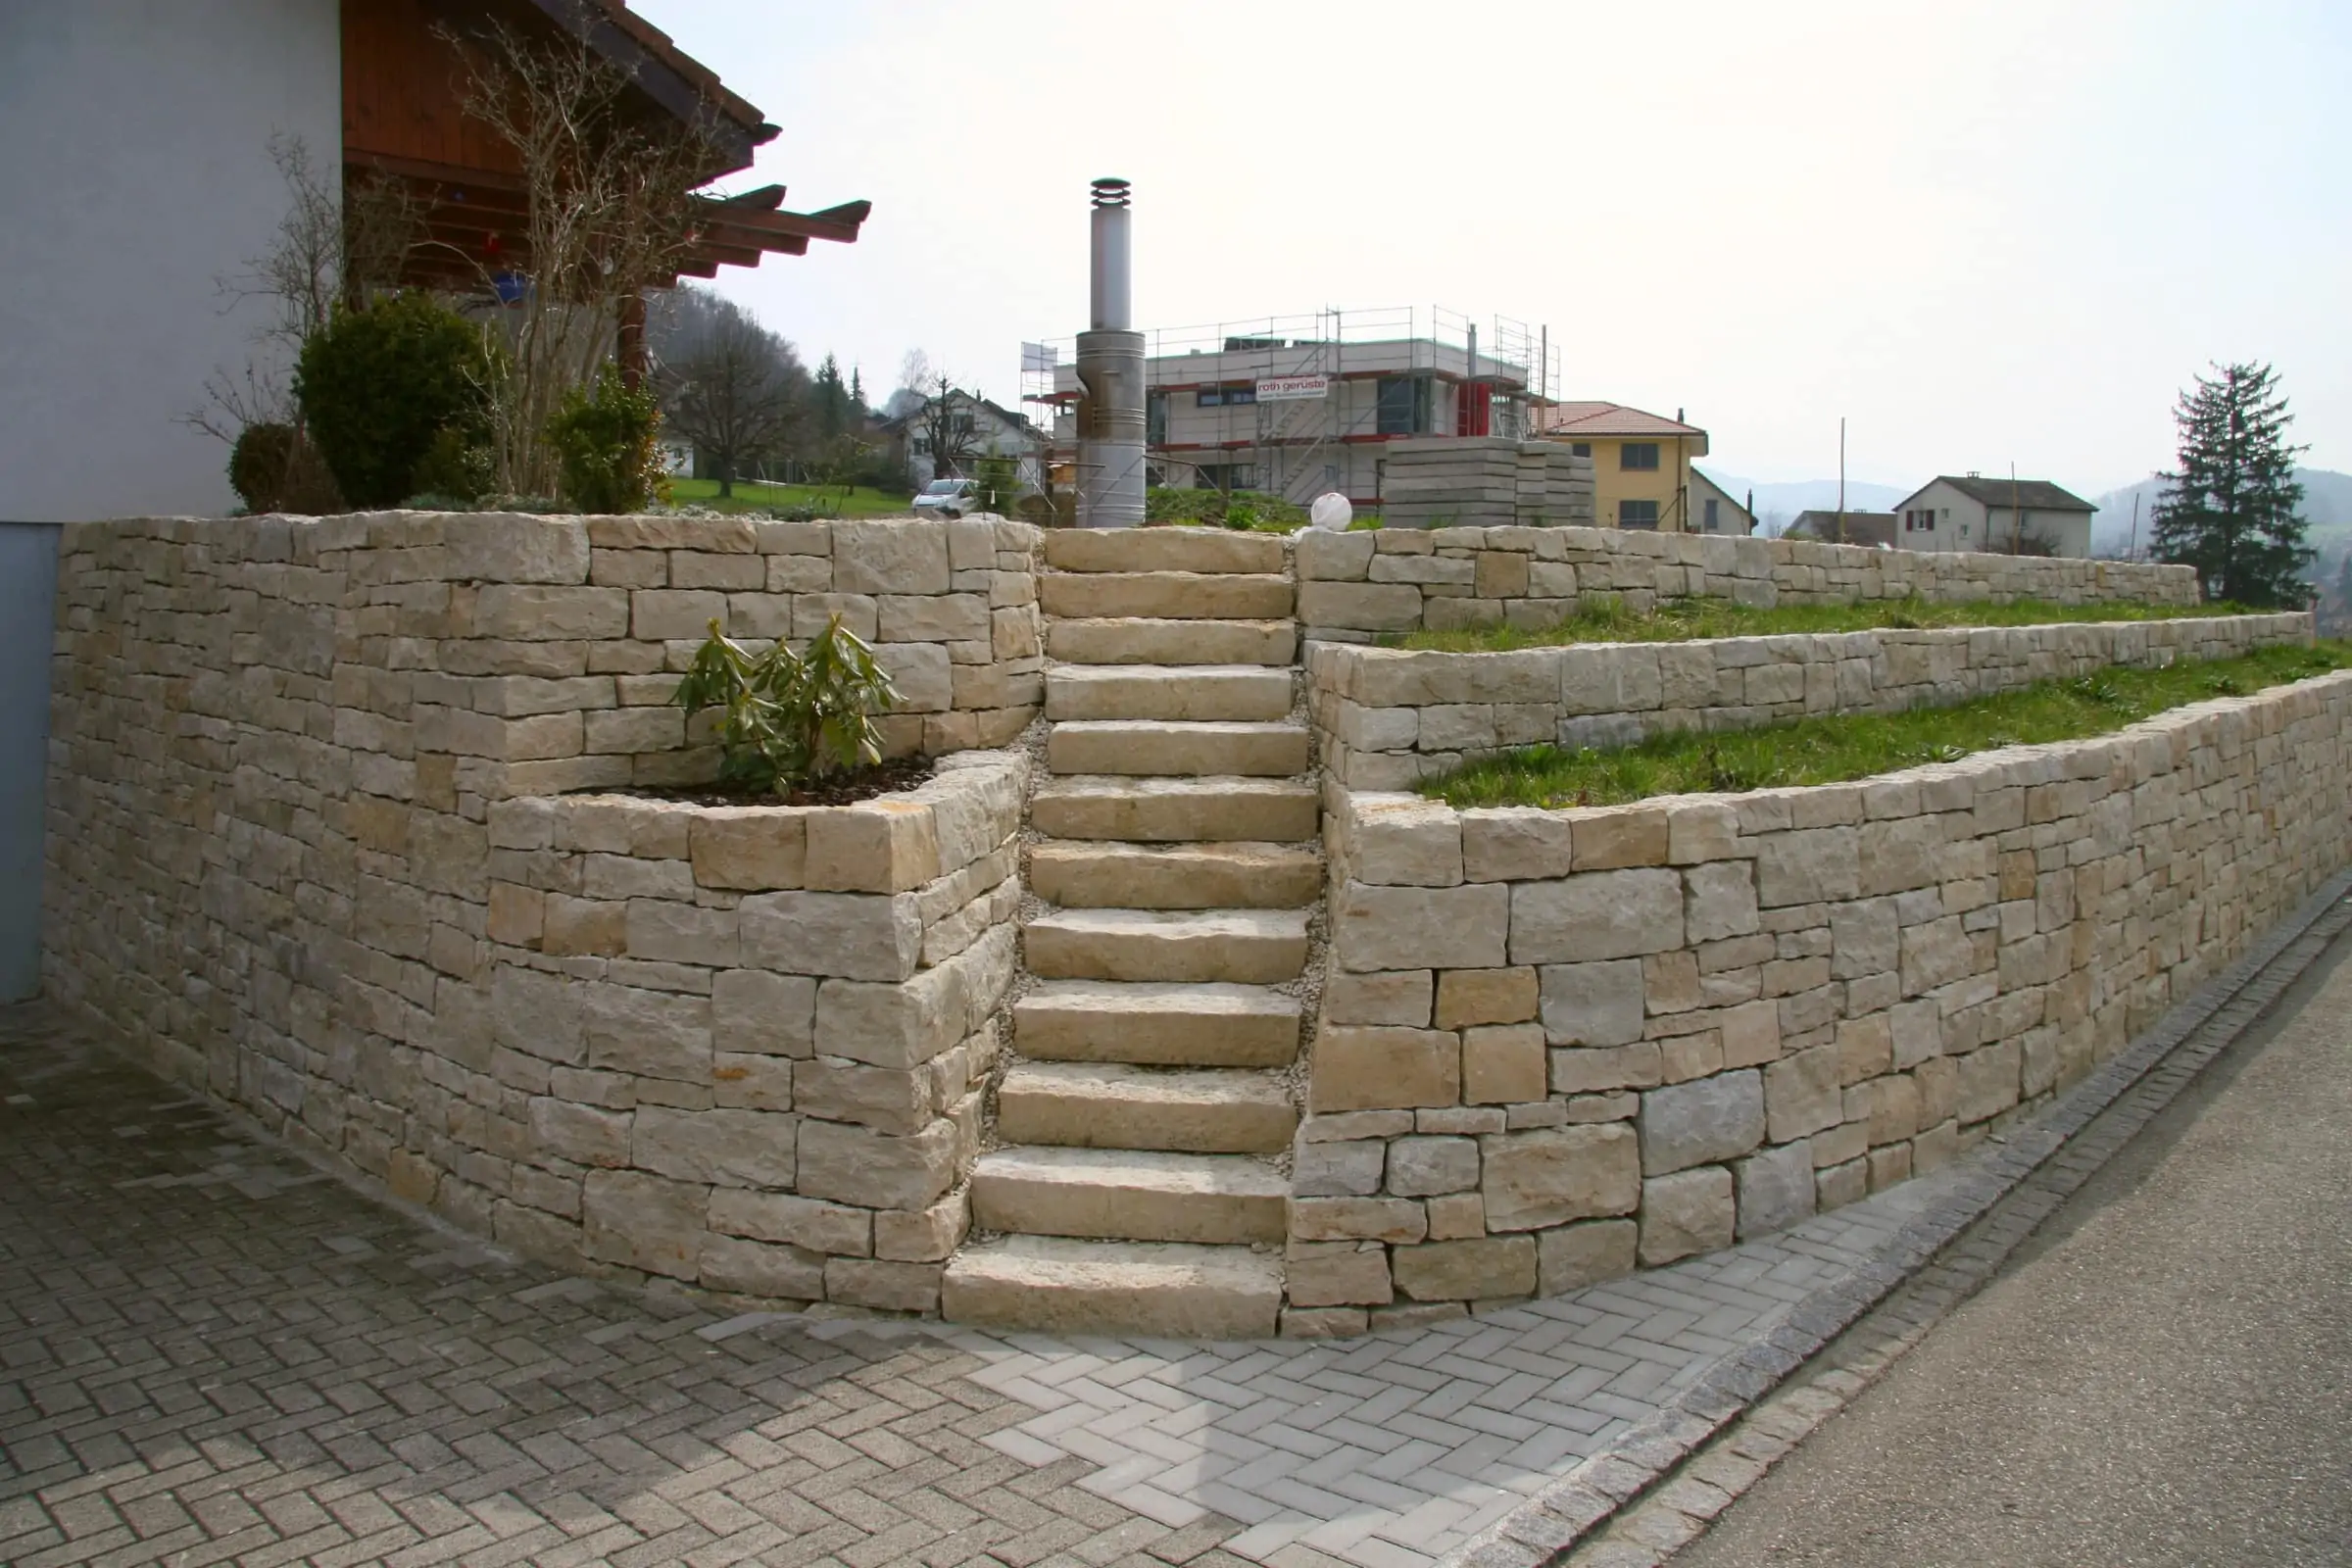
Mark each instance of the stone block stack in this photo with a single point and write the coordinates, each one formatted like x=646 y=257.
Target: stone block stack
x=1481 y=481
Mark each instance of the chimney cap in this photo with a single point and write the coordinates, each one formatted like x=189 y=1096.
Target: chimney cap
x=1109 y=191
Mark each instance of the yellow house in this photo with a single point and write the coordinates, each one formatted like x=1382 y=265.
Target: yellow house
x=1641 y=462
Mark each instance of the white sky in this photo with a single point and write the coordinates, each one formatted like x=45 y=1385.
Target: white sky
x=1986 y=233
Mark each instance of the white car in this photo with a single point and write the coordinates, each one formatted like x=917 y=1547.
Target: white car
x=947 y=498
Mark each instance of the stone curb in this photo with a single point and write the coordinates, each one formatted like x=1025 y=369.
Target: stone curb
x=1726 y=1423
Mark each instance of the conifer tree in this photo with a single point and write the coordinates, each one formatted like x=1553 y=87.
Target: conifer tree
x=2231 y=508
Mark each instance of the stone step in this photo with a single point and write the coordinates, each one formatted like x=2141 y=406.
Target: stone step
x=1054 y=1285
x=1172 y=595
x=1166 y=549
x=1082 y=874
x=1111 y=1105
x=1144 y=640
x=1163 y=747
x=1156 y=1024
x=1176 y=810
x=1250 y=947
x=1202 y=693
x=1128 y=1194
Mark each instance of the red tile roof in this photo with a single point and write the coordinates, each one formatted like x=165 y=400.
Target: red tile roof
x=1609 y=418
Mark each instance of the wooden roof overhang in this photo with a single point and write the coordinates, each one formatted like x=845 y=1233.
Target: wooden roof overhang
x=404 y=120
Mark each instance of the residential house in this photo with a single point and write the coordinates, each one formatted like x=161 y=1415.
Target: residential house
x=1844 y=529
x=1641 y=462
x=1974 y=512
x=1299 y=405
x=976 y=428
x=1713 y=508
x=160 y=119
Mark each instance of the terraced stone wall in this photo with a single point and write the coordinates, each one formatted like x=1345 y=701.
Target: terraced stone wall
x=1392 y=717
x=310 y=849
x=1557 y=1045
x=1354 y=586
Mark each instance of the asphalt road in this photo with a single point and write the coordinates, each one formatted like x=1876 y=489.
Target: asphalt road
x=2163 y=1374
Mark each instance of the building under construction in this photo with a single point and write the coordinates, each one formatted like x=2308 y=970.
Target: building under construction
x=1298 y=406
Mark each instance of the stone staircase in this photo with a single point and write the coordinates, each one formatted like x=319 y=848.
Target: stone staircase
x=1133 y=1191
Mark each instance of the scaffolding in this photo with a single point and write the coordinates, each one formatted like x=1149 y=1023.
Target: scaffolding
x=1300 y=441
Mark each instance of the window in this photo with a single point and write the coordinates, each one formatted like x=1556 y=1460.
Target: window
x=1404 y=406
x=1714 y=522
x=1637 y=514
x=1156 y=418
x=1227 y=477
x=1641 y=455
x=1920 y=520
x=1580 y=449
x=1228 y=396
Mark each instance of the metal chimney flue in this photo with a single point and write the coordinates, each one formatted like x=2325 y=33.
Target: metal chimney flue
x=1110 y=375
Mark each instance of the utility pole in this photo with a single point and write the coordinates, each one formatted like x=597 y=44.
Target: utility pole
x=2132 y=552
x=2016 y=518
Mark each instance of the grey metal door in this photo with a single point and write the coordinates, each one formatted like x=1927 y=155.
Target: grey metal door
x=27 y=597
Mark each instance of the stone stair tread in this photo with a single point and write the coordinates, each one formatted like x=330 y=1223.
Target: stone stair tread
x=1167 y=595
x=1111 y=873
x=1173 y=810
x=1157 y=1288
x=1135 y=1195
x=1157 y=1023
x=1115 y=1105
x=1254 y=947
x=1127 y=641
x=1162 y=549
x=1173 y=748
x=1197 y=692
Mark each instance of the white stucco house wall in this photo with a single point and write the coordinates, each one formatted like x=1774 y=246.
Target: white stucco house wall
x=1973 y=512
x=135 y=175
x=990 y=428
x=1715 y=510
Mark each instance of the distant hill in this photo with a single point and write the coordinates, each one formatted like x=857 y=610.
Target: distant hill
x=2326 y=507
x=1776 y=504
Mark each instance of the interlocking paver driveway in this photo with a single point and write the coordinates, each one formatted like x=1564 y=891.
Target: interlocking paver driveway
x=211 y=1352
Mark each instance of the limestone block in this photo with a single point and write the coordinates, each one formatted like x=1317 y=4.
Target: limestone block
x=1591 y=1004
x=1354 y=1124
x=1810 y=866
x=1802 y=1093
x=1343 y=1276
x=646 y=1222
x=522 y=613
x=894 y=1099
x=1484 y=996
x=1865 y=938
x=1350 y=1219
x=891 y=556
x=897 y=1026
x=1504 y=1065
x=889 y=1287
x=1585 y=1070
x=750 y=1082
x=1936 y=954
x=813 y=613
x=504 y=547
x=581 y=1134
x=652 y=1034
x=1552 y=1175
x=1422 y=1167
x=1385 y=996
x=1516 y=843
x=1704 y=1120
x=1899 y=855
x=753 y=849
x=1360 y=606
x=1373 y=1067
x=681 y=933
x=1602 y=914
x=1917 y=1029
x=1483 y=1269
x=860 y=1165
x=1454 y=1215
x=1406 y=841
x=1349 y=1169
x=1570 y=1258
x=1989 y=1080
x=856 y=936
x=889 y=845
x=1685 y=1213
x=1719 y=901
x=940 y=618
x=1610 y=838
x=634 y=729
x=1776 y=1189
x=1752 y=1033
x=730 y=1148
x=1407 y=928
x=1864 y=1049
x=1894 y=1106
x=803 y=1222
x=754 y=1269
x=672 y=614
x=1333 y=556
x=773 y=1014
x=927 y=1235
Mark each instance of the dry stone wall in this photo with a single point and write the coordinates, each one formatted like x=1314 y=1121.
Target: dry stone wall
x=1353 y=587
x=1557 y=1045
x=1392 y=717
x=310 y=846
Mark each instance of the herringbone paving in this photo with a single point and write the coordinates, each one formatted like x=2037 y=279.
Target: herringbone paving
x=211 y=1352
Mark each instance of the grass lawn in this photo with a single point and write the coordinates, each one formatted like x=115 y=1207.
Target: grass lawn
x=1604 y=618
x=1833 y=750
x=862 y=502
